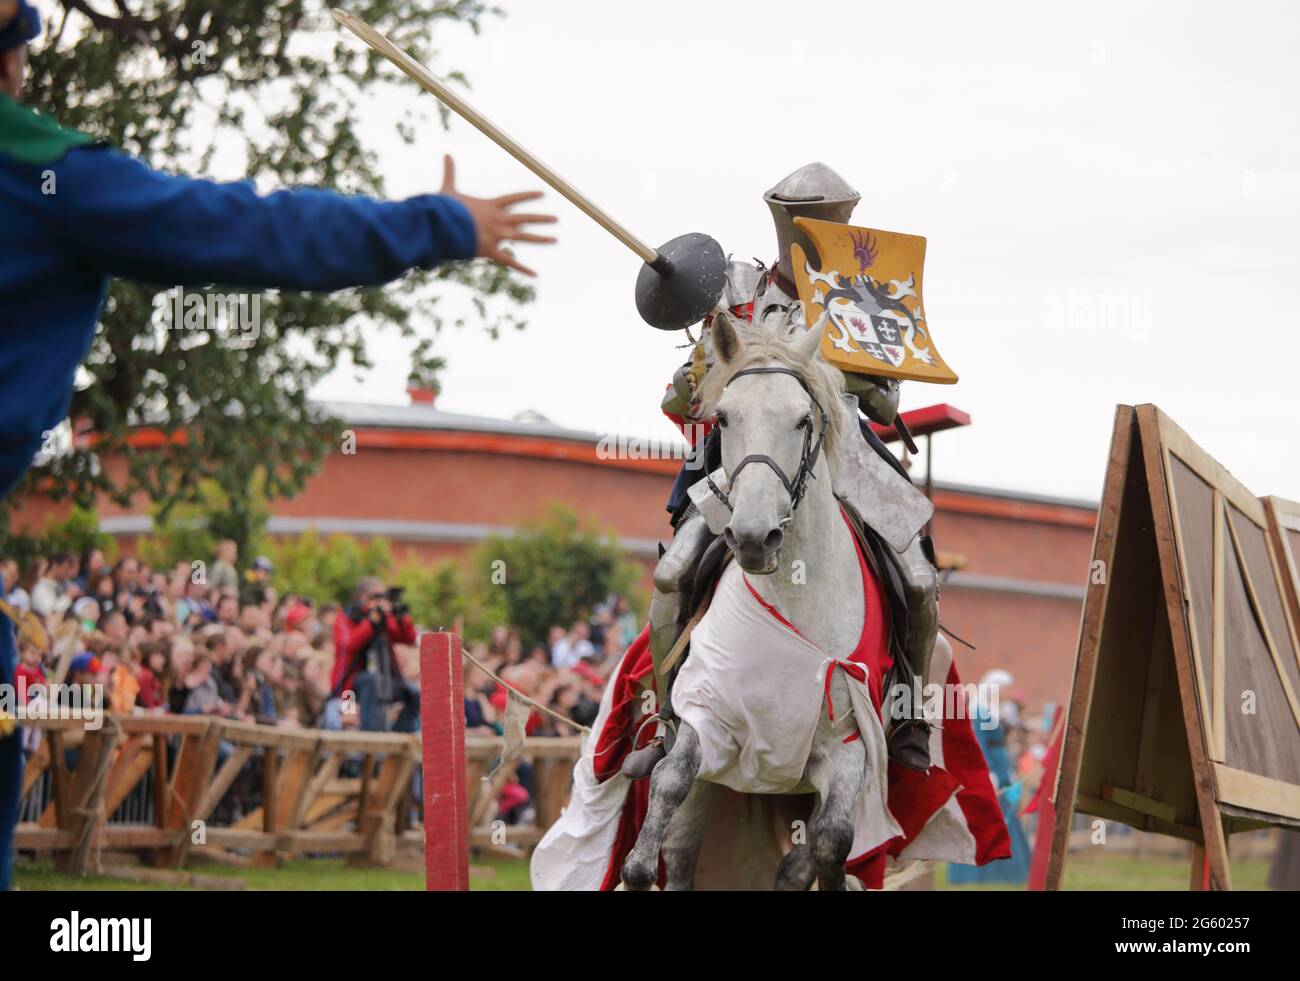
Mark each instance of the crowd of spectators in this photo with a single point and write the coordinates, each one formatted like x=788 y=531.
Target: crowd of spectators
x=194 y=639
x=567 y=673
x=206 y=638
x=202 y=638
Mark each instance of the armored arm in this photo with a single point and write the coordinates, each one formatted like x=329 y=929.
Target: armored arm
x=877 y=396
x=679 y=398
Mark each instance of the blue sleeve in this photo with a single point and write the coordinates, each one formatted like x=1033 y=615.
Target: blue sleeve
x=124 y=219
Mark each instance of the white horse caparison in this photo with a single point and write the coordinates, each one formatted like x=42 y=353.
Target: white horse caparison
x=768 y=414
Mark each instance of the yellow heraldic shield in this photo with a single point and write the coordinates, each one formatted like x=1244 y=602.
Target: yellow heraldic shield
x=862 y=289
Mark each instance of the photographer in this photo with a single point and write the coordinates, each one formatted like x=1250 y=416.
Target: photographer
x=364 y=663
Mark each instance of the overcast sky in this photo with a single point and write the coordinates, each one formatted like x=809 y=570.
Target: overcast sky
x=1110 y=192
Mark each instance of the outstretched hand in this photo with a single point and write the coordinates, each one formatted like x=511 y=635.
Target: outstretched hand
x=494 y=223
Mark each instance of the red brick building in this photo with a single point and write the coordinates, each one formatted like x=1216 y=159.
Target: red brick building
x=435 y=483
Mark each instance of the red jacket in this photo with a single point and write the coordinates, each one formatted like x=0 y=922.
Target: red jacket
x=352 y=638
x=151 y=691
x=32 y=676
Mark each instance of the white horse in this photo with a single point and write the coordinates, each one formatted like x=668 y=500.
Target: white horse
x=777 y=402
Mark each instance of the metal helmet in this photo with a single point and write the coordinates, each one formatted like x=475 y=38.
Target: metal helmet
x=812 y=191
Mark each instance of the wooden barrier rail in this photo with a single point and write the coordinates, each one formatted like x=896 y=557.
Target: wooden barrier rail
x=552 y=760
x=193 y=761
x=309 y=802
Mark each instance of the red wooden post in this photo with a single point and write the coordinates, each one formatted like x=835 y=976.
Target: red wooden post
x=442 y=728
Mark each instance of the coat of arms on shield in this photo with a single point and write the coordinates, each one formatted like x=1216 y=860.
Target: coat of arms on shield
x=865 y=297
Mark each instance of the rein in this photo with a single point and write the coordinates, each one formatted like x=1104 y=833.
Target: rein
x=812 y=449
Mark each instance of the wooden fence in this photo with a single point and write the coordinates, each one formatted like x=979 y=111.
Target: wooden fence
x=347 y=793
x=552 y=761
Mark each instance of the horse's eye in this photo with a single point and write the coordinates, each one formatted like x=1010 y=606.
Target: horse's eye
x=722 y=419
x=805 y=423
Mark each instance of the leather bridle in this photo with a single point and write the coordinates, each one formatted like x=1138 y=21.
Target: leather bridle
x=812 y=448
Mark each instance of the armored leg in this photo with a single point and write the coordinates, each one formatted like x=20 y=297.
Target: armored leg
x=909 y=740
x=668 y=614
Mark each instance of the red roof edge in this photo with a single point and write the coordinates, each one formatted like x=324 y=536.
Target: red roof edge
x=925 y=421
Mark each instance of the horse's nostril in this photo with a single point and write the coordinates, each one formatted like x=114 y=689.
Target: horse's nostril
x=729 y=537
x=773 y=540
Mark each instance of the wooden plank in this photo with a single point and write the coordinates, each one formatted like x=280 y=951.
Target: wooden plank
x=1257 y=793
x=1219 y=724
x=1197 y=883
x=270 y=789
x=161 y=779
x=1284 y=516
x=190 y=775
x=165 y=725
x=292 y=784
x=30 y=837
x=1284 y=572
x=211 y=853
x=1176 y=440
x=136 y=836
x=55 y=724
x=1201 y=659
x=252 y=734
x=341 y=818
x=58 y=781
x=326 y=771
x=220 y=783
x=1111 y=811
x=132 y=763
x=1150 y=764
x=371 y=742
x=376 y=823
x=1151 y=425
x=303 y=842
x=527 y=835
x=323 y=806
x=190 y=780
x=1262 y=621
x=36 y=766
x=348 y=786
x=1085 y=663
x=479 y=747
x=1138 y=802
x=89 y=784
x=250 y=840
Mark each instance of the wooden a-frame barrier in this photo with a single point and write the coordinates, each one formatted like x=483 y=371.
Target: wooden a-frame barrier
x=1184 y=718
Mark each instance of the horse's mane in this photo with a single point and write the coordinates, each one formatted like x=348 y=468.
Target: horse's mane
x=760 y=346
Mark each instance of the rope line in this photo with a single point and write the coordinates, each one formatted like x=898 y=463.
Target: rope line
x=536 y=704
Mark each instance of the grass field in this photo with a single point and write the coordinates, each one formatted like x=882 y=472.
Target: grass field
x=1122 y=872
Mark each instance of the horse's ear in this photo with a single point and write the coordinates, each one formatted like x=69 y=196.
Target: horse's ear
x=807 y=341
x=726 y=340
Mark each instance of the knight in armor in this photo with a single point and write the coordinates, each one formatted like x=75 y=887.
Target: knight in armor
x=767 y=297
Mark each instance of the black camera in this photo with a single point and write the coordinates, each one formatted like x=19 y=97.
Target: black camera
x=394 y=594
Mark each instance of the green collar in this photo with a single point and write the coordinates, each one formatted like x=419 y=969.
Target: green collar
x=31 y=138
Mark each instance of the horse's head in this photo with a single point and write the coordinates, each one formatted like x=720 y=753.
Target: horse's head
x=779 y=412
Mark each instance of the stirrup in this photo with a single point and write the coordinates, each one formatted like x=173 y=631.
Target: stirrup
x=669 y=723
